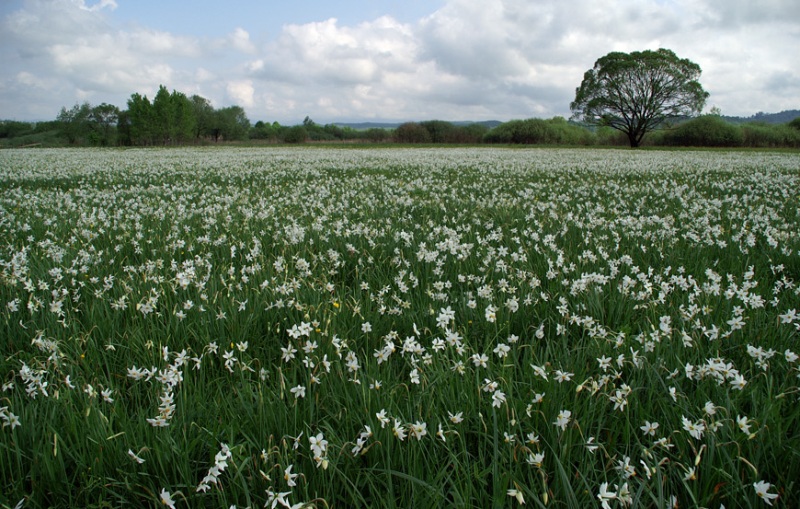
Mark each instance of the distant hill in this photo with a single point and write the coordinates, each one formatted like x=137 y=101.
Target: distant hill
x=768 y=118
x=361 y=126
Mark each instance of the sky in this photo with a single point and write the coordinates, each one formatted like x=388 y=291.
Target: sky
x=383 y=60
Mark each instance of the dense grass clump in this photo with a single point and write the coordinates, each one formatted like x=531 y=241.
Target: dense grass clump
x=399 y=328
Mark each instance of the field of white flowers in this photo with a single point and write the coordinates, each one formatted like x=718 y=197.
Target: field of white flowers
x=309 y=327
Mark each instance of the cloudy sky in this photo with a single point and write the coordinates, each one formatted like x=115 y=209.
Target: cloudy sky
x=362 y=60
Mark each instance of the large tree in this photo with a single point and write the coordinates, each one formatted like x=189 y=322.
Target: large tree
x=636 y=92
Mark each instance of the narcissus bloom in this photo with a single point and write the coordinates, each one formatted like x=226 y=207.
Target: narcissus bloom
x=762 y=487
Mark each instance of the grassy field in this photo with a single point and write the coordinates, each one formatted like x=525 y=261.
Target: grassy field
x=469 y=327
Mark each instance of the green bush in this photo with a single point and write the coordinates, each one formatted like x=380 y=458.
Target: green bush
x=770 y=136
x=376 y=134
x=296 y=134
x=608 y=136
x=412 y=132
x=556 y=131
x=705 y=131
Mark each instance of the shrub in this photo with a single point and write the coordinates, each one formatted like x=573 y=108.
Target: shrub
x=376 y=134
x=296 y=134
x=770 y=136
x=705 y=131
x=412 y=132
x=612 y=137
x=556 y=131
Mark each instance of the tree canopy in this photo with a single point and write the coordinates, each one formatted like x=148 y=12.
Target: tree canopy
x=636 y=92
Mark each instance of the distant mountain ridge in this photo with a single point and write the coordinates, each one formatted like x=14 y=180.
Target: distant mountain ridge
x=768 y=118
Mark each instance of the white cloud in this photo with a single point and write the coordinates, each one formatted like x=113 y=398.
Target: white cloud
x=470 y=59
x=242 y=92
x=102 y=4
x=240 y=40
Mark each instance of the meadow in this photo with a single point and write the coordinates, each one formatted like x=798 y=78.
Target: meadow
x=398 y=327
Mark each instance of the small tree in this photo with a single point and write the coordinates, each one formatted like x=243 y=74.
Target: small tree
x=636 y=92
x=412 y=132
x=139 y=121
x=104 y=119
x=203 y=114
x=75 y=122
x=296 y=134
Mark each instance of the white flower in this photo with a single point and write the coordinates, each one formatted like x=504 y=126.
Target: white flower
x=743 y=423
x=166 y=499
x=762 y=487
x=604 y=495
x=649 y=428
x=539 y=371
x=398 y=430
x=501 y=350
x=273 y=499
x=491 y=313
x=516 y=494
x=289 y=477
x=135 y=457
x=382 y=418
x=498 y=398
x=298 y=391
x=695 y=429
x=563 y=419
x=419 y=430
x=536 y=459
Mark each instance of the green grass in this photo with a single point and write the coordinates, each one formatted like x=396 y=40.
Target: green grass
x=201 y=265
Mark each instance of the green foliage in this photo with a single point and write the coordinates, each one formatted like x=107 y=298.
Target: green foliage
x=375 y=134
x=140 y=121
x=471 y=133
x=13 y=129
x=230 y=124
x=296 y=134
x=75 y=122
x=28 y=134
x=630 y=288
x=609 y=137
x=412 y=132
x=104 y=119
x=705 y=131
x=172 y=117
x=556 y=131
x=770 y=136
x=440 y=131
x=636 y=92
x=264 y=131
x=203 y=116
x=795 y=123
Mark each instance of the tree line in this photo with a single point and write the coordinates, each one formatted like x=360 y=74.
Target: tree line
x=169 y=119
x=172 y=118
